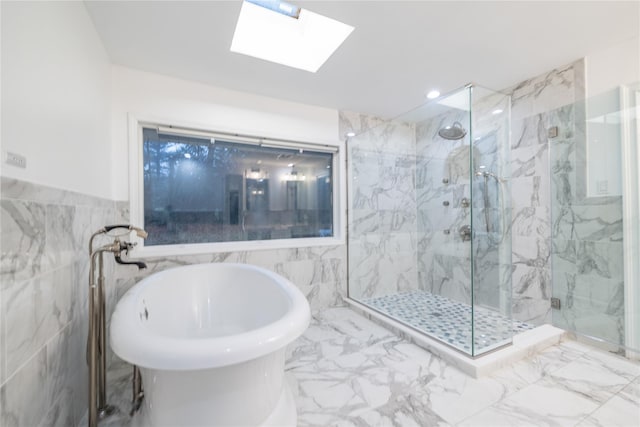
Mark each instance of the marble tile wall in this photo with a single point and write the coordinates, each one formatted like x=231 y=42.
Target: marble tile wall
x=382 y=205
x=586 y=248
x=44 y=234
x=443 y=259
x=44 y=239
x=538 y=104
x=445 y=176
x=443 y=265
x=44 y=274
x=319 y=272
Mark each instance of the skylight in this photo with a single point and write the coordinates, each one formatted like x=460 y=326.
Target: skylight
x=280 y=32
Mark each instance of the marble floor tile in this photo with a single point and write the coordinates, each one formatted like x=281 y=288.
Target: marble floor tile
x=540 y=365
x=403 y=411
x=454 y=396
x=535 y=406
x=350 y=323
x=345 y=385
x=588 y=377
x=621 y=410
x=614 y=363
x=617 y=412
x=632 y=393
x=333 y=333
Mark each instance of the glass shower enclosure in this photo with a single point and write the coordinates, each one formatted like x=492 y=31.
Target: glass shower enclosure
x=595 y=218
x=429 y=240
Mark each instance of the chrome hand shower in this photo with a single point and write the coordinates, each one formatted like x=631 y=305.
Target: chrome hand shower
x=486 y=174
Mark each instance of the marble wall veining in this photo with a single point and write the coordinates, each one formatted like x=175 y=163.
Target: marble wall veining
x=319 y=272
x=443 y=259
x=538 y=104
x=447 y=178
x=379 y=235
x=587 y=245
x=45 y=268
x=382 y=205
x=560 y=237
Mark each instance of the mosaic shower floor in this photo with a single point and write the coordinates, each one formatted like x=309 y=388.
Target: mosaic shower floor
x=448 y=320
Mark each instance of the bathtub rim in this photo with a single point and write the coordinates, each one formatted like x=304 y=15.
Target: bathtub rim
x=134 y=343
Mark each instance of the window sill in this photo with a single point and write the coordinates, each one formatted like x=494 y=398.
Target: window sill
x=244 y=246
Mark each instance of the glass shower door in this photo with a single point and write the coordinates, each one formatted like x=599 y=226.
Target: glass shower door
x=594 y=216
x=443 y=171
x=429 y=212
x=490 y=220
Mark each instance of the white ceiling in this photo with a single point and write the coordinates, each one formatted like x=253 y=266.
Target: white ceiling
x=397 y=51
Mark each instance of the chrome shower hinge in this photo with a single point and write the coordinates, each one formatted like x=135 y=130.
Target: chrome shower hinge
x=555 y=303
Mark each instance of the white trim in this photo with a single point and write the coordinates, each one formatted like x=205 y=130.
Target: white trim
x=136 y=199
x=179 y=131
x=245 y=139
x=136 y=204
x=240 y=246
x=631 y=217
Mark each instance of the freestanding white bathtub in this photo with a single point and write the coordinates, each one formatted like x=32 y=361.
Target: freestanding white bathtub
x=210 y=342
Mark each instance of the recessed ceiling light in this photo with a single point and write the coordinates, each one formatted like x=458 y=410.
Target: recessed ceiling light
x=433 y=94
x=496 y=111
x=350 y=134
x=290 y=165
x=267 y=31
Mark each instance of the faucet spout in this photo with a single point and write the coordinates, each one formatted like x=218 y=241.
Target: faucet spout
x=141 y=265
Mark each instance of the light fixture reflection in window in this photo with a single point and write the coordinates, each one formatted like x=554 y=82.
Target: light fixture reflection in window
x=293 y=175
x=256 y=173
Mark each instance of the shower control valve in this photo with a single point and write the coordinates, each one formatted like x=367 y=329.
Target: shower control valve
x=465 y=233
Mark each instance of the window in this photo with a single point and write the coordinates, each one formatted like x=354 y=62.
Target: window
x=205 y=188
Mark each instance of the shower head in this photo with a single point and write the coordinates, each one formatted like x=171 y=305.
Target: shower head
x=453 y=132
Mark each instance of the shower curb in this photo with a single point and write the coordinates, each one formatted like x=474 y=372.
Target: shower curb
x=524 y=344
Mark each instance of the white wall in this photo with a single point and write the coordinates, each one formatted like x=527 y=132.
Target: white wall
x=611 y=67
x=55 y=96
x=55 y=111
x=605 y=71
x=173 y=101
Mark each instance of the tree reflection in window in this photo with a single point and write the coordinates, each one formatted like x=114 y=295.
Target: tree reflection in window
x=198 y=190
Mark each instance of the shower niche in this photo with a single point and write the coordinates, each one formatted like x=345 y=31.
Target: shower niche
x=429 y=224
